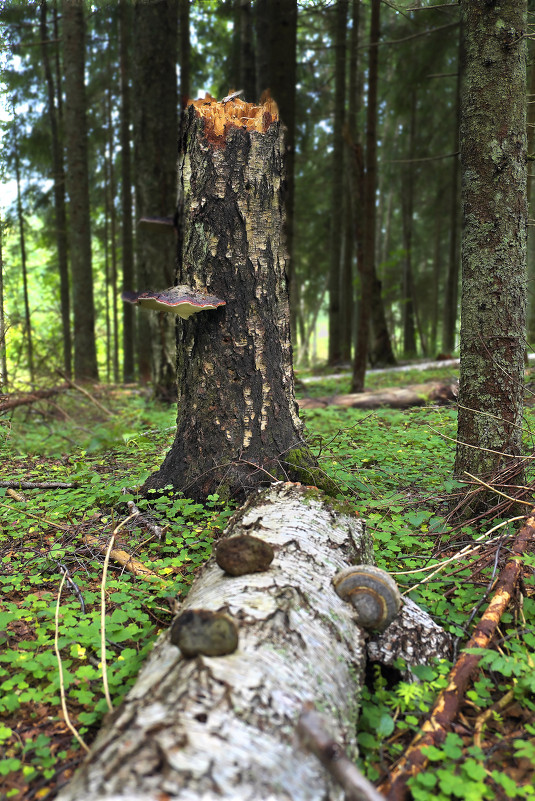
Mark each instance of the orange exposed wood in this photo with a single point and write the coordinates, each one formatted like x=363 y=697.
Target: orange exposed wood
x=434 y=730
x=220 y=117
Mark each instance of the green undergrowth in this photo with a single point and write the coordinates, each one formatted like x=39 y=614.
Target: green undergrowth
x=394 y=467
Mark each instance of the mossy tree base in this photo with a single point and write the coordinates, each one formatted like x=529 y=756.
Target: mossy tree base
x=237 y=419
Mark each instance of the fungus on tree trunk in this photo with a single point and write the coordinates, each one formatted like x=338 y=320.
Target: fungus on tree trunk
x=237 y=424
x=180 y=300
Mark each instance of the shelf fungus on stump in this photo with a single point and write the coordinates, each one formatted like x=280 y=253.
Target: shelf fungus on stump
x=181 y=300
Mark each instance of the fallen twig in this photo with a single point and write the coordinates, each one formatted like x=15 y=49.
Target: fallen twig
x=39 y=484
x=447 y=705
x=84 y=391
x=315 y=738
x=30 y=397
x=123 y=558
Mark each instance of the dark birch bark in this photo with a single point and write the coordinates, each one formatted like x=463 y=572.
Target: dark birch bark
x=493 y=163
x=58 y=172
x=237 y=423
x=77 y=183
x=126 y=194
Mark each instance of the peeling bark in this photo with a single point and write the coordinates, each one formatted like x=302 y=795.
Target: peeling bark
x=237 y=424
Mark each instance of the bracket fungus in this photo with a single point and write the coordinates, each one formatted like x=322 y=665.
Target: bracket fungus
x=181 y=300
x=373 y=593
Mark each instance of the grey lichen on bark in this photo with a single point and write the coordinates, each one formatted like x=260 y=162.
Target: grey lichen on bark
x=493 y=162
x=237 y=414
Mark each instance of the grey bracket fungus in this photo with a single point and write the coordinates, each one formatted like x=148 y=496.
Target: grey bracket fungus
x=202 y=632
x=372 y=592
x=181 y=300
x=244 y=554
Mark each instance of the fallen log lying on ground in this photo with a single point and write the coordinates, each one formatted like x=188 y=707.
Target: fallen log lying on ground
x=396 y=398
x=222 y=727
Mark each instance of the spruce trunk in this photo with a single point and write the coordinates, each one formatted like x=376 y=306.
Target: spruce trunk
x=238 y=425
x=493 y=311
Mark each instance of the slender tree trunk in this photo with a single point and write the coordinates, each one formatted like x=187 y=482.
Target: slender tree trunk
x=59 y=194
x=77 y=182
x=125 y=20
x=531 y=204
x=113 y=238
x=451 y=296
x=382 y=348
x=276 y=38
x=22 y=240
x=493 y=162
x=237 y=424
x=3 y=327
x=407 y=207
x=337 y=185
x=155 y=153
x=185 y=50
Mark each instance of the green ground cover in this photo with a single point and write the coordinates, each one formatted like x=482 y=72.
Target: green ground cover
x=395 y=467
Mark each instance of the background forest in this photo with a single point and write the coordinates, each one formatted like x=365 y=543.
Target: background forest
x=90 y=106
x=315 y=59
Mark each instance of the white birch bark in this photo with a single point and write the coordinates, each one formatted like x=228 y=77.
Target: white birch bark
x=223 y=727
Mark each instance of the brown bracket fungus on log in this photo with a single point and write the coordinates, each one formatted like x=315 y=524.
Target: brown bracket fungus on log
x=180 y=300
x=244 y=554
x=201 y=631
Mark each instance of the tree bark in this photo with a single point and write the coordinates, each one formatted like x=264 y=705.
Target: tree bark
x=77 y=182
x=22 y=240
x=337 y=186
x=382 y=348
x=155 y=153
x=59 y=194
x=493 y=162
x=237 y=423
x=126 y=192
x=223 y=727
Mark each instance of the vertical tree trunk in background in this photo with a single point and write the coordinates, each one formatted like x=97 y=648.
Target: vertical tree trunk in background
x=22 y=240
x=113 y=238
x=77 y=182
x=185 y=50
x=3 y=327
x=244 y=69
x=276 y=39
x=493 y=305
x=531 y=207
x=125 y=19
x=237 y=424
x=155 y=153
x=337 y=186
x=382 y=349
x=59 y=194
x=407 y=211
x=451 y=296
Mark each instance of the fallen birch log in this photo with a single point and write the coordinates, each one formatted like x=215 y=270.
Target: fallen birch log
x=395 y=398
x=222 y=727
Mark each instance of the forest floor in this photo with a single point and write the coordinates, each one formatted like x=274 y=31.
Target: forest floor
x=394 y=465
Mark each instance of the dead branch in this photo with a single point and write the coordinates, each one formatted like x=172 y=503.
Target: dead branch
x=397 y=398
x=447 y=705
x=315 y=738
x=30 y=397
x=39 y=484
x=152 y=528
x=123 y=558
x=88 y=395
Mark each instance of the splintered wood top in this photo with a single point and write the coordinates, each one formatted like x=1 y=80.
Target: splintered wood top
x=224 y=115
